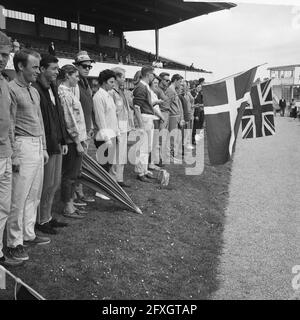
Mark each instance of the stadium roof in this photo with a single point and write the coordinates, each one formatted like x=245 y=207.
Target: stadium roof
x=122 y=15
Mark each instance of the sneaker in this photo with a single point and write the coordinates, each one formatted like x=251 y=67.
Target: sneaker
x=57 y=224
x=17 y=253
x=102 y=196
x=87 y=199
x=75 y=215
x=10 y=262
x=190 y=147
x=38 y=240
x=143 y=179
x=79 y=203
x=123 y=184
x=46 y=228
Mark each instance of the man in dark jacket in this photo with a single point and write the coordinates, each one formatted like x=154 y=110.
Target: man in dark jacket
x=84 y=64
x=55 y=134
x=282 y=105
x=199 y=110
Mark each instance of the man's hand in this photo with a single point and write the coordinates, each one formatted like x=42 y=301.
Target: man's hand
x=79 y=149
x=16 y=165
x=109 y=143
x=46 y=156
x=182 y=123
x=64 y=150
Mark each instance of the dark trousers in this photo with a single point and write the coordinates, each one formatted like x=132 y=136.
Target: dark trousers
x=107 y=166
x=71 y=167
x=198 y=123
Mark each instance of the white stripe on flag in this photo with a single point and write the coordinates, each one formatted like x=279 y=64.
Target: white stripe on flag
x=230 y=107
x=2 y=278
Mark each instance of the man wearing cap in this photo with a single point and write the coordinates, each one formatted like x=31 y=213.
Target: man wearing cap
x=83 y=91
x=6 y=141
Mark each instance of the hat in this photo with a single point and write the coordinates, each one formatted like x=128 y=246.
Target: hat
x=5 y=44
x=82 y=56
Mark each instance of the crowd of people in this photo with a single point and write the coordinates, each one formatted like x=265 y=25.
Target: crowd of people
x=48 y=118
x=291 y=110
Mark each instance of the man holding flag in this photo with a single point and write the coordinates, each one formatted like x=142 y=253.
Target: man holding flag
x=224 y=104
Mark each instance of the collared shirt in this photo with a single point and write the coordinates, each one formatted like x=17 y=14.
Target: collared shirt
x=6 y=121
x=174 y=101
x=28 y=116
x=73 y=113
x=105 y=116
x=125 y=121
x=161 y=94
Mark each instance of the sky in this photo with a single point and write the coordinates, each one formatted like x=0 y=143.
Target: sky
x=231 y=41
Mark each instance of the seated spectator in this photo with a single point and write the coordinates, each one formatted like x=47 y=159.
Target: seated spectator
x=51 y=49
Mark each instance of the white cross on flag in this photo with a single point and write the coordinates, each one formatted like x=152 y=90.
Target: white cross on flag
x=224 y=104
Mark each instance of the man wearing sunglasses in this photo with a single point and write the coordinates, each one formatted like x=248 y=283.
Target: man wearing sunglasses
x=83 y=91
x=165 y=110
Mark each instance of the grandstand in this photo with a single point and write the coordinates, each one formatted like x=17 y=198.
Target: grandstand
x=102 y=25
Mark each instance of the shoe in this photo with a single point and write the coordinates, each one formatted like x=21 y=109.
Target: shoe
x=149 y=175
x=102 y=196
x=57 y=224
x=176 y=160
x=75 y=215
x=10 y=262
x=154 y=167
x=190 y=147
x=38 y=240
x=143 y=179
x=45 y=228
x=123 y=184
x=82 y=211
x=18 y=253
x=79 y=203
x=87 y=199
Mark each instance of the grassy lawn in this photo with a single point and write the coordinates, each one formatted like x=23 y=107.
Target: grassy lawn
x=169 y=252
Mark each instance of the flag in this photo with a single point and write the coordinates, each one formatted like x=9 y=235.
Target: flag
x=224 y=104
x=2 y=278
x=258 y=118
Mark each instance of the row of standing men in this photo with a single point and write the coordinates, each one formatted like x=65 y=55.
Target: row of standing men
x=45 y=129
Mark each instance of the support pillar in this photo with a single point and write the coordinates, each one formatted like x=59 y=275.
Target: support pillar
x=156 y=44
x=78 y=31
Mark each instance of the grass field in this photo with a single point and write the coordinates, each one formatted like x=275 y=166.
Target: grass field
x=169 y=252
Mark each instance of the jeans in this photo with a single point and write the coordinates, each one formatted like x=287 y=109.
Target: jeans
x=52 y=179
x=26 y=191
x=71 y=166
x=5 y=195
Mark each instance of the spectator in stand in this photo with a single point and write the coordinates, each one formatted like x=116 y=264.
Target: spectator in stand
x=176 y=119
x=145 y=114
x=199 y=110
x=6 y=148
x=101 y=57
x=106 y=121
x=75 y=125
x=30 y=155
x=51 y=49
x=56 y=136
x=125 y=124
x=84 y=93
x=16 y=46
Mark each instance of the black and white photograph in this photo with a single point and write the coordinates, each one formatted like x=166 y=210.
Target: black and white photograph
x=149 y=153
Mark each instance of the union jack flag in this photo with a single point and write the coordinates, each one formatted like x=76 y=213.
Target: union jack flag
x=258 y=117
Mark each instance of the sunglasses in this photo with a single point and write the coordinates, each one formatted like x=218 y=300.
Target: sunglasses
x=86 y=66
